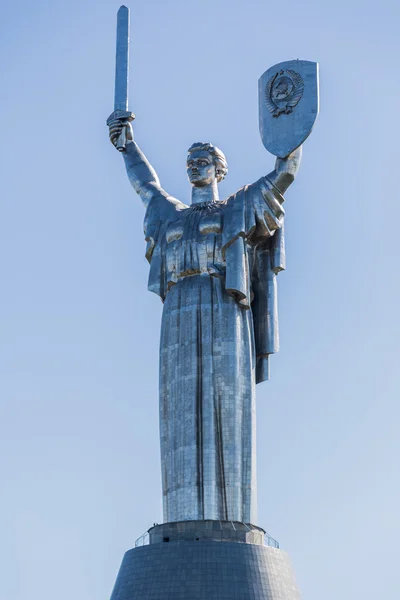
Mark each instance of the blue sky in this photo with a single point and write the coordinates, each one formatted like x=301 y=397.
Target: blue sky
x=79 y=332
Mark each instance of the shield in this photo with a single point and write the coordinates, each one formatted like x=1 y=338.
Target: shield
x=288 y=105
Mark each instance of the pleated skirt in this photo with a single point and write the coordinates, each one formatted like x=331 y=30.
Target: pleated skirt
x=207 y=404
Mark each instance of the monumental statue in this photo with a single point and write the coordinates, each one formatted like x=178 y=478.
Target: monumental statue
x=214 y=264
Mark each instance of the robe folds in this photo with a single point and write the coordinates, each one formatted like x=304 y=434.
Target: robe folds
x=214 y=265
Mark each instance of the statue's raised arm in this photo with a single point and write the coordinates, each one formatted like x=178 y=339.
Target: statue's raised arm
x=285 y=170
x=141 y=174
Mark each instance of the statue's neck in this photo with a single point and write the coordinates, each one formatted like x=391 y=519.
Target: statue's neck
x=206 y=193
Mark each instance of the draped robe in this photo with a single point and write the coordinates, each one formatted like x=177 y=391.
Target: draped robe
x=214 y=265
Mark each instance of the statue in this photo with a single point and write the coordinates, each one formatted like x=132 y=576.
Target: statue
x=214 y=265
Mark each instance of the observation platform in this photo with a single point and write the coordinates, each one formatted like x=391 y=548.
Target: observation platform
x=206 y=560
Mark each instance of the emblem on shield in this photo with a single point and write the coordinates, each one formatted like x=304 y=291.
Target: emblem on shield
x=283 y=92
x=288 y=105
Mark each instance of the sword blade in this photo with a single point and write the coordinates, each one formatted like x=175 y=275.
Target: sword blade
x=122 y=60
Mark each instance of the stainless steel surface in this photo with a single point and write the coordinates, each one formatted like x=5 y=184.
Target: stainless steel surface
x=121 y=113
x=122 y=60
x=214 y=264
x=288 y=105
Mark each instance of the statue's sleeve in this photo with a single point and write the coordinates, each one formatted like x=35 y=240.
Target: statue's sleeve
x=253 y=246
x=254 y=213
x=264 y=210
x=162 y=209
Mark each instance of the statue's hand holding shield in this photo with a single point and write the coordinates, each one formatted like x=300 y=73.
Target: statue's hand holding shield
x=288 y=105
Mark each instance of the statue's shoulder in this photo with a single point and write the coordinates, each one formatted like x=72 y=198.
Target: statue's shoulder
x=170 y=203
x=263 y=186
x=231 y=198
x=177 y=204
x=164 y=206
x=241 y=193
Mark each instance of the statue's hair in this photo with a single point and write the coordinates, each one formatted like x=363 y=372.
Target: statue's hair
x=221 y=166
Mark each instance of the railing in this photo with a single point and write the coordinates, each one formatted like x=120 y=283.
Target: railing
x=143 y=540
x=270 y=541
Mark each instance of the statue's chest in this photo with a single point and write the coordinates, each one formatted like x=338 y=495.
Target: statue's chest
x=193 y=242
x=195 y=224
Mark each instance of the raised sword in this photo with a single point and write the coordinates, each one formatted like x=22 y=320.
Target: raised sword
x=121 y=111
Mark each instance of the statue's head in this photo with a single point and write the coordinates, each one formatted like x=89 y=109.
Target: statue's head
x=205 y=163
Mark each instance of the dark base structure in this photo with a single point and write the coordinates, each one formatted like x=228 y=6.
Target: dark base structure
x=206 y=560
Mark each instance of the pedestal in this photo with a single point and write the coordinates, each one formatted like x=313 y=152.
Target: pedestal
x=206 y=560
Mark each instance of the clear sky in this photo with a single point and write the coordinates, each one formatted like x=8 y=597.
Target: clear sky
x=80 y=469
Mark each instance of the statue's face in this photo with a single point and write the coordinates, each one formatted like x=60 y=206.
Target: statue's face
x=200 y=168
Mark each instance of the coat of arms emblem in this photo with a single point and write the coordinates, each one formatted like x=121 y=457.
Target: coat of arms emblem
x=288 y=101
x=283 y=91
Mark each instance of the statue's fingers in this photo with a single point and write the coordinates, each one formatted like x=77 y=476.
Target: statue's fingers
x=114 y=138
x=116 y=126
x=115 y=134
x=115 y=131
x=116 y=123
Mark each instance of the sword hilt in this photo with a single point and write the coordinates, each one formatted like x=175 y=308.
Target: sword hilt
x=125 y=116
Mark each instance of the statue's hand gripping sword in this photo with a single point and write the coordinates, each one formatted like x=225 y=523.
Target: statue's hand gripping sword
x=121 y=112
